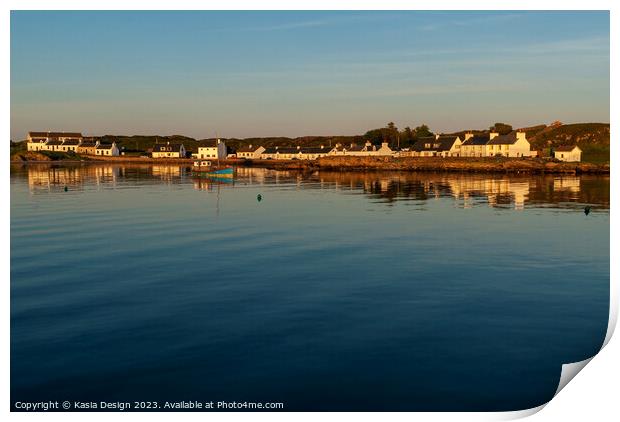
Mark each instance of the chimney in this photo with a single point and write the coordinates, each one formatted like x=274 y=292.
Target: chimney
x=219 y=141
x=321 y=146
x=469 y=135
x=250 y=146
x=436 y=136
x=276 y=148
x=493 y=135
x=298 y=147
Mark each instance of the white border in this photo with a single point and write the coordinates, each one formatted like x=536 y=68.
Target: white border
x=592 y=395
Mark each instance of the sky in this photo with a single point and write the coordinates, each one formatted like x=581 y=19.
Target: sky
x=242 y=74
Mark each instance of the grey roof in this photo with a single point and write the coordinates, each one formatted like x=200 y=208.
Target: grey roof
x=65 y=134
x=477 y=140
x=352 y=147
x=508 y=139
x=88 y=144
x=316 y=150
x=248 y=149
x=72 y=142
x=270 y=150
x=37 y=134
x=54 y=143
x=104 y=146
x=566 y=148
x=55 y=134
x=167 y=147
x=443 y=143
x=288 y=150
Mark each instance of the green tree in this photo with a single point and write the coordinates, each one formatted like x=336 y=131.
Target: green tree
x=375 y=136
x=421 y=132
x=406 y=137
x=391 y=134
x=501 y=128
x=388 y=134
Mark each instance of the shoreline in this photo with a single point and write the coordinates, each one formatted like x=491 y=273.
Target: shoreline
x=339 y=163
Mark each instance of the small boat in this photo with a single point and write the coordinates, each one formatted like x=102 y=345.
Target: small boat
x=206 y=168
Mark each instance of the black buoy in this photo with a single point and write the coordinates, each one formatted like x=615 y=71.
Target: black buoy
x=259 y=197
x=66 y=188
x=587 y=209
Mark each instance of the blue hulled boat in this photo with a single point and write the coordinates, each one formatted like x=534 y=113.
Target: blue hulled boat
x=206 y=168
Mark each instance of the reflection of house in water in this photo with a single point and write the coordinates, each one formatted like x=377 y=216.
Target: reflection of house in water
x=570 y=183
x=464 y=190
x=252 y=175
x=497 y=191
x=166 y=172
x=106 y=174
x=48 y=177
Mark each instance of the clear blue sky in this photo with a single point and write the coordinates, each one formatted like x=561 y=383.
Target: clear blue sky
x=241 y=74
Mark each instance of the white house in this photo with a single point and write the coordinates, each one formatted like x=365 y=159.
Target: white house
x=37 y=141
x=435 y=146
x=296 y=153
x=270 y=153
x=214 y=148
x=53 y=145
x=70 y=145
x=168 y=150
x=110 y=150
x=367 y=150
x=250 y=152
x=514 y=144
x=475 y=145
x=312 y=153
x=568 y=153
x=352 y=149
x=88 y=147
x=384 y=150
x=288 y=153
x=40 y=141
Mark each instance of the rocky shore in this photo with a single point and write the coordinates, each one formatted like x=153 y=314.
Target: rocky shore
x=453 y=164
x=474 y=165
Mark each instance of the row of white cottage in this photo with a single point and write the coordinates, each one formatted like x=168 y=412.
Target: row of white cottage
x=68 y=142
x=513 y=144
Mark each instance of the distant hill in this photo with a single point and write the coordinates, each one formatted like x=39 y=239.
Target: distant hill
x=592 y=138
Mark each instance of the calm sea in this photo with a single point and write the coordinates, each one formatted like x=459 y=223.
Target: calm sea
x=336 y=291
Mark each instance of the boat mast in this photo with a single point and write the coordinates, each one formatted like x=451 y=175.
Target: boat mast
x=217 y=149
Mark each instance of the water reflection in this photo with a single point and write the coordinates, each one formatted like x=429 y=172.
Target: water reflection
x=466 y=190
